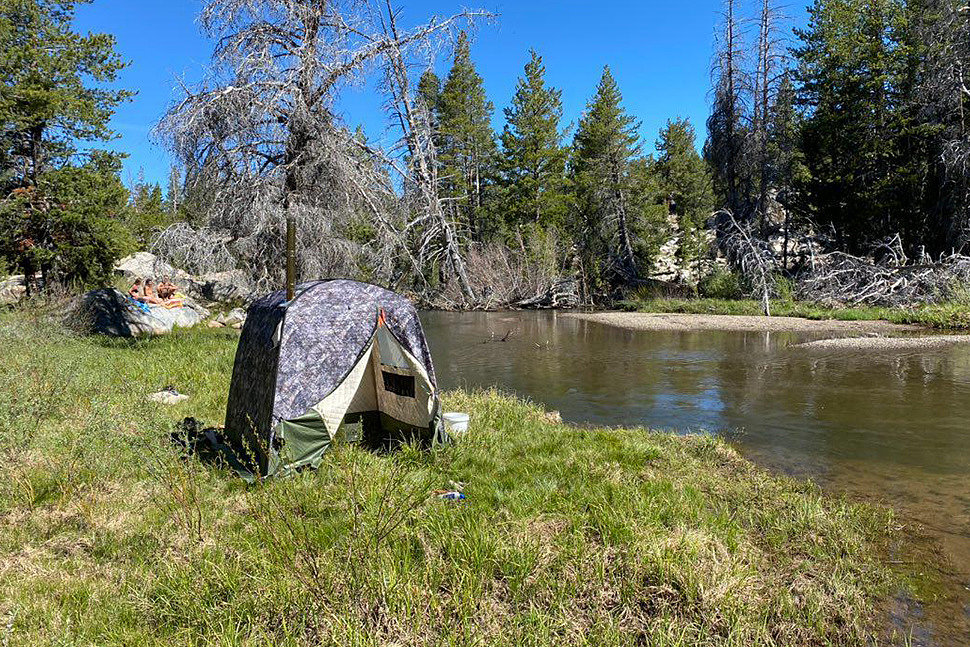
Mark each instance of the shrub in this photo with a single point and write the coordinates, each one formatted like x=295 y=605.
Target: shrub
x=70 y=227
x=784 y=289
x=721 y=284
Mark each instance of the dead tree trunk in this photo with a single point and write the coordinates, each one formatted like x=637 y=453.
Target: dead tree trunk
x=751 y=257
x=418 y=137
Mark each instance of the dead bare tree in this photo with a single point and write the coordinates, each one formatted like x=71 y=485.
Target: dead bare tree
x=885 y=277
x=261 y=133
x=725 y=144
x=436 y=232
x=888 y=278
x=770 y=66
x=750 y=256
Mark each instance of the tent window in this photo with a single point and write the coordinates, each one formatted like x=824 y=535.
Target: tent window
x=399 y=384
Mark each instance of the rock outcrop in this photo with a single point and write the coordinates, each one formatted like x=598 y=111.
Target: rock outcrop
x=235 y=318
x=145 y=265
x=108 y=311
x=12 y=289
x=223 y=287
x=667 y=268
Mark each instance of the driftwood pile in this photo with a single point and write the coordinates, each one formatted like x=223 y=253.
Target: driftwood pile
x=887 y=277
x=840 y=278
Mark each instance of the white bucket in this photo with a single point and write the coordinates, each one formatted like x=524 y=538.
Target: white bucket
x=456 y=423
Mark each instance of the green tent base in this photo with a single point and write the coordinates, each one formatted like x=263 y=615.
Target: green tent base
x=305 y=442
x=301 y=443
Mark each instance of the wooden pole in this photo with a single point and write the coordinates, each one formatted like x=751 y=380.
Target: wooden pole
x=290 y=258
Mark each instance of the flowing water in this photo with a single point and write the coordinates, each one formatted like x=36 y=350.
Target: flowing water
x=882 y=426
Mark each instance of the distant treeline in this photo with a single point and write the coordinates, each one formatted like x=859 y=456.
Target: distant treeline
x=856 y=124
x=850 y=130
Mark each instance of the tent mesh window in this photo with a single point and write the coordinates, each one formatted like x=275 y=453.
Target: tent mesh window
x=398 y=384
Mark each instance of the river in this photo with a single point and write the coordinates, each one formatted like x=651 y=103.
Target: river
x=890 y=427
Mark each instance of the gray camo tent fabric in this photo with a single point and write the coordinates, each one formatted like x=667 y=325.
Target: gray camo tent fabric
x=343 y=359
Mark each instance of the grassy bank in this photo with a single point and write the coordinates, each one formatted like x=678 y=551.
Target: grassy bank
x=943 y=316
x=568 y=536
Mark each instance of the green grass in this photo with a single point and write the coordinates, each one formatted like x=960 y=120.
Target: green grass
x=943 y=316
x=568 y=536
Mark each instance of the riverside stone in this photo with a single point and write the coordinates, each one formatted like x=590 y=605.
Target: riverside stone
x=107 y=311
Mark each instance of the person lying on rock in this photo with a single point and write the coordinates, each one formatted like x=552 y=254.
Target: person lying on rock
x=169 y=294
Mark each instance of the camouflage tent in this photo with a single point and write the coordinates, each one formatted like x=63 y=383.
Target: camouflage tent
x=342 y=361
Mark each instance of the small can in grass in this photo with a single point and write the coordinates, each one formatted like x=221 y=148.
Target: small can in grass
x=451 y=496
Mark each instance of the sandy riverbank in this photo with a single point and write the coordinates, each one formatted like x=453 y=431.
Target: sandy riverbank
x=886 y=343
x=739 y=323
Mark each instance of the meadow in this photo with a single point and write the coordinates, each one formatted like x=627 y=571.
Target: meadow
x=110 y=535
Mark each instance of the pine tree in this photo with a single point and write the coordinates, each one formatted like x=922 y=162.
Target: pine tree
x=938 y=35
x=783 y=152
x=60 y=215
x=785 y=169
x=147 y=212
x=429 y=90
x=726 y=127
x=49 y=103
x=604 y=149
x=71 y=226
x=534 y=160
x=650 y=225
x=429 y=99
x=851 y=68
x=467 y=150
x=685 y=184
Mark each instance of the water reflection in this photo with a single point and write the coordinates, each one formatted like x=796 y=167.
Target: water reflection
x=811 y=407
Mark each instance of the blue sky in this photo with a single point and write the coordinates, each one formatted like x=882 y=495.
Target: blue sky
x=659 y=52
